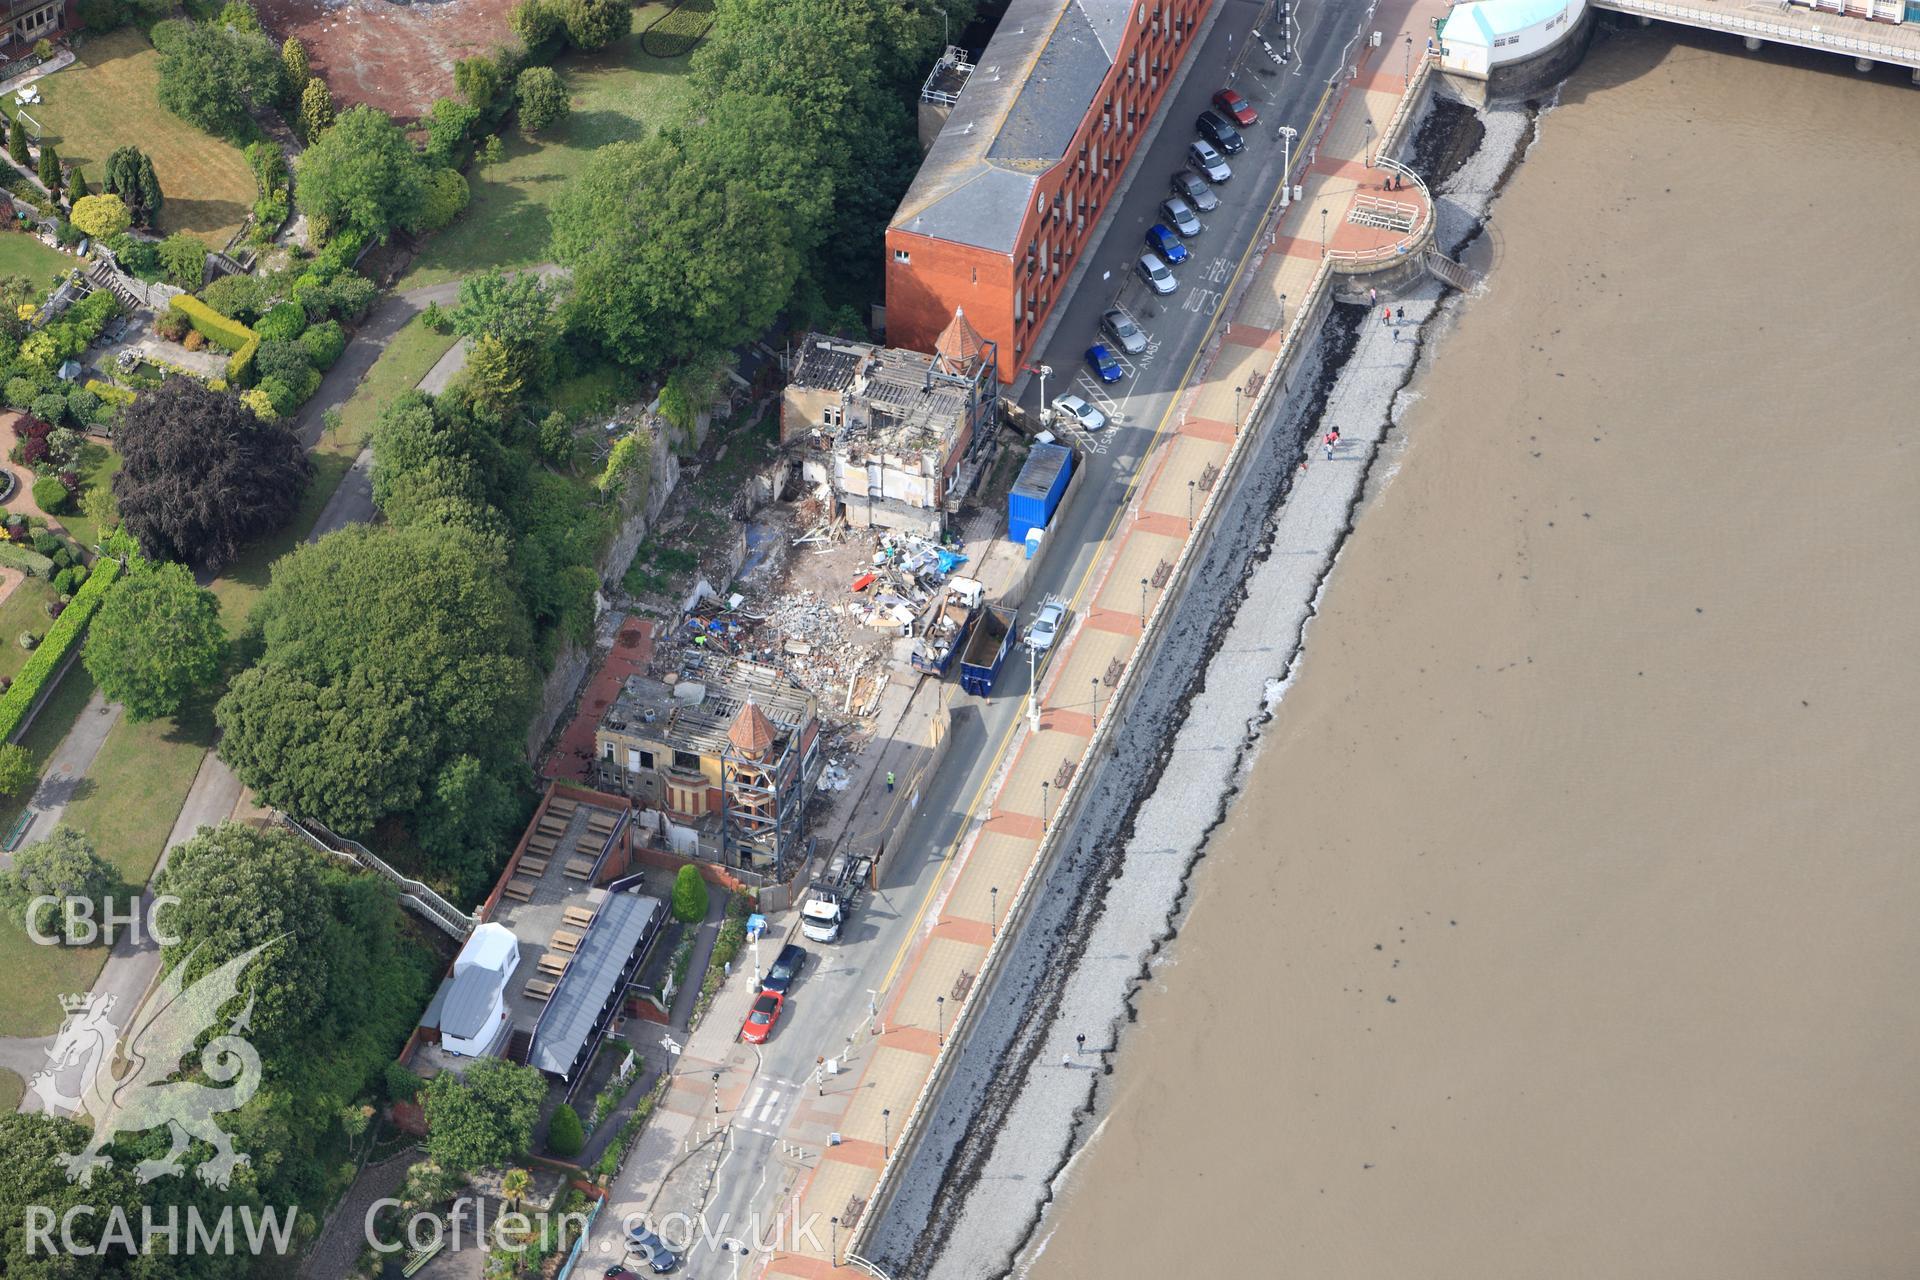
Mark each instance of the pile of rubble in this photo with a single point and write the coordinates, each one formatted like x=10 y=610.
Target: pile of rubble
x=824 y=603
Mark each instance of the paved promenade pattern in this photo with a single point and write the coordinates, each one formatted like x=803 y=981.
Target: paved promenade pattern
x=1004 y=842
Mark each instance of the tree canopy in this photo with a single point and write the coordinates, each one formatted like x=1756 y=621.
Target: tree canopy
x=388 y=655
x=542 y=99
x=64 y=865
x=211 y=75
x=203 y=476
x=101 y=217
x=130 y=176
x=156 y=639
x=595 y=24
x=362 y=173
x=691 y=240
x=484 y=1117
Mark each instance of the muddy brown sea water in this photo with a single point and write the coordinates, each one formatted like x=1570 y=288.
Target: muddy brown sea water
x=1566 y=924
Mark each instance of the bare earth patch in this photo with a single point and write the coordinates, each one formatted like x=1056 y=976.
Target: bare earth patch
x=396 y=57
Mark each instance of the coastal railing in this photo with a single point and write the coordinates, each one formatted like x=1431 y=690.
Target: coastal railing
x=1420 y=230
x=1807 y=36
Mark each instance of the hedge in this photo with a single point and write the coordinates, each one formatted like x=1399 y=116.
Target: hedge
x=17 y=557
x=230 y=334
x=110 y=393
x=65 y=633
x=240 y=367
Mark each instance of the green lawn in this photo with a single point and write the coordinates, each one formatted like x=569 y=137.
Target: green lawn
x=12 y=1089
x=407 y=359
x=24 y=610
x=57 y=714
x=619 y=93
x=413 y=351
x=33 y=978
x=22 y=255
x=138 y=782
x=98 y=465
x=110 y=98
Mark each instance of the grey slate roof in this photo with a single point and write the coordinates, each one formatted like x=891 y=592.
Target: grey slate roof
x=1014 y=121
x=622 y=922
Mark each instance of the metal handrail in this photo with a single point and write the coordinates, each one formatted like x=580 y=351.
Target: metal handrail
x=1809 y=36
x=1406 y=243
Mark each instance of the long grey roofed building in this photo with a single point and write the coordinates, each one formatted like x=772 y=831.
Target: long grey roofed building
x=594 y=978
x=1015 y=119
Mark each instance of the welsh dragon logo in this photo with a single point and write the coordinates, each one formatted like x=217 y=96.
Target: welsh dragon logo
x=124 y=1083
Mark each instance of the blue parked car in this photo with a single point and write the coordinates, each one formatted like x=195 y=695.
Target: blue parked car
x=1104 y=364
x=1161 y=240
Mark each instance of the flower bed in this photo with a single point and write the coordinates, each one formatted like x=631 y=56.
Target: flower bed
x=675 y=33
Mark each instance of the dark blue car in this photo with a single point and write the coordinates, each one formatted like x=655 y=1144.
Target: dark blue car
x=1103 y=363
x=1161 y=240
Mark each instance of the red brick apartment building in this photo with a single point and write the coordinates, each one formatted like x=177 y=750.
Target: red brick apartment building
x=1033 y=149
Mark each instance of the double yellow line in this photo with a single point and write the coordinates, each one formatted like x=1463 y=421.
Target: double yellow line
x=1086 y=576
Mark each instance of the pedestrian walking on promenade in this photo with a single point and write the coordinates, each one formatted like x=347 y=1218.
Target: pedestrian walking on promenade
x=1401 y=315
x=1373 y=296
x=1066 y=1062
x=1386 y=315
x=1331 y=440
x=889 y=781
x=1081 y=1042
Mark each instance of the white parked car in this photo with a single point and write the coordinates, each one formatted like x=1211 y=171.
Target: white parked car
x=1080 y=412
x=1046 y=625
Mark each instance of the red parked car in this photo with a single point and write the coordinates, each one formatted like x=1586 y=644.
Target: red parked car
x=1236 y=107
x=760 y=1019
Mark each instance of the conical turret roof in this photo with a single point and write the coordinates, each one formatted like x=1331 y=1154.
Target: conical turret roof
x=752 y=733
x=960 y=345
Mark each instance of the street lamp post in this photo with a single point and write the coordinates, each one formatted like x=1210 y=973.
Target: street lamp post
x=1044 y=812
x=716 y=1093
x=1409 y=55
x=1236 y=410
x=1323 y=248
x=1368 y=154
x=940 y=1016
x=1143 y=602
x=1287 y=134
x=1033 y=688
x=993 y=914
x=886 y=1134
x=835 y=1259
x=1096 y=699
x=1190 y=488
x=1046 y=371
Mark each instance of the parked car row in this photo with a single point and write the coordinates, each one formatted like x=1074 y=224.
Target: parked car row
x=1192 y=194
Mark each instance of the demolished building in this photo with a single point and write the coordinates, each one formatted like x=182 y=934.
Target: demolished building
x=732 y=753
x=900 y=437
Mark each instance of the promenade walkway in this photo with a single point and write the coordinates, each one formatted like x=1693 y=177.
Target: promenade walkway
x=1281 y=280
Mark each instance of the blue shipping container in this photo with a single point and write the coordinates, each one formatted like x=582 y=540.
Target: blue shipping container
x=1037 y=491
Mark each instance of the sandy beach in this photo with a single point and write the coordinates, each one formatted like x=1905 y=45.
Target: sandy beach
x=1565 y=926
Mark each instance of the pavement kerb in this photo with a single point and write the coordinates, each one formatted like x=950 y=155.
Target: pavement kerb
x=1285 y=366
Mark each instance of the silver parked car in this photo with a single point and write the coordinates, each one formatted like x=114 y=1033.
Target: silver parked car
x=1157 y=274
x=1045 y=627
x=1119 y=325
x=1180 y=216
x=1192 y=188
x=1205 y=159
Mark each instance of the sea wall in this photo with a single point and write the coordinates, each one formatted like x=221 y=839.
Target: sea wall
x=1011 y=1116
